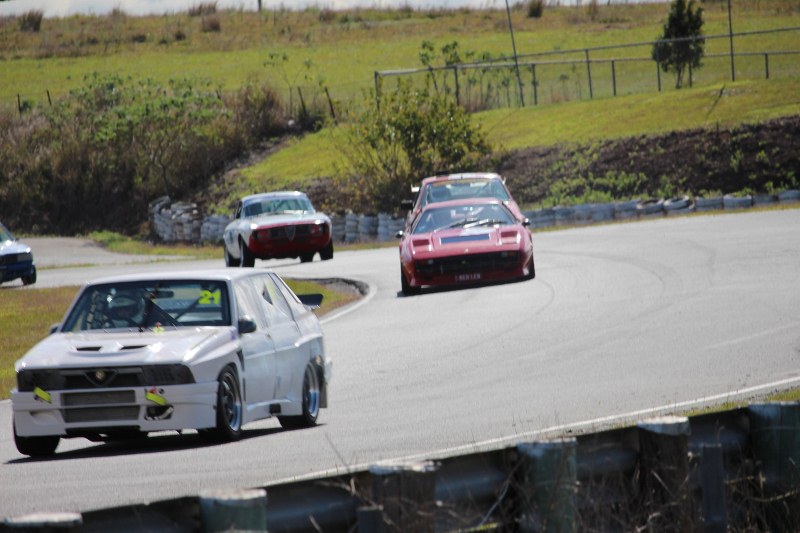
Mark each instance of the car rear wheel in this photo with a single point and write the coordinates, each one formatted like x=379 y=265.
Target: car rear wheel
x=229 y=260
x=36 y=446
x=229 y=408
x=246 y=258
x=327 y=253
x=311 y=402
x=306 y=258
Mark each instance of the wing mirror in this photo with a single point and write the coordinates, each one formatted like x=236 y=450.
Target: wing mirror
x=526 y=223
x=246 y=325
x=311 y=300
x=399 y=234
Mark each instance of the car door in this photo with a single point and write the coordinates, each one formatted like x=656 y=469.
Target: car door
x=258 y=348
x=290 y=358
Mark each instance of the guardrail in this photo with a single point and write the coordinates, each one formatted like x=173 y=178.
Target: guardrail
x=731 y=470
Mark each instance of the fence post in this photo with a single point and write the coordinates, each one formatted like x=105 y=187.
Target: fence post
x=589 y=73
x=775 y=434
x=664 y=463
x=535 y=85
x=375 y=76
x=407 y=493
x=549 y=484
x=658 y=65
x=614 y=76
x=458 y=88
x=233 y=510
x=712 y=485
x=766 y=66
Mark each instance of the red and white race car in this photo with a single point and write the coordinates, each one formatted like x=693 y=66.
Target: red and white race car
x=277 y=225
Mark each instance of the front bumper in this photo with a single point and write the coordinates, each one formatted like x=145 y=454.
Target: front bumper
x=470 y=270
x=80 y=411
x=12 y=271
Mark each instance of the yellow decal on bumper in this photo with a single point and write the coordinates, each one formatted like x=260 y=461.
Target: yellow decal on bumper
x=154 y=397
x=43 y=395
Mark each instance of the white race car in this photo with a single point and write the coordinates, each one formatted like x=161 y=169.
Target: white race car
x=277 y=225
x=209 y=351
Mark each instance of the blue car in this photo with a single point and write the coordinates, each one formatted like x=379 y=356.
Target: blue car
x=16 y=259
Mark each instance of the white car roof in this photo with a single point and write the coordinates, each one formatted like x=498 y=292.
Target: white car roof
x=275 y=194
x=221 y=274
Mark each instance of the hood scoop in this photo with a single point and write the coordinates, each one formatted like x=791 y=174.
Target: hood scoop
x=110 y=349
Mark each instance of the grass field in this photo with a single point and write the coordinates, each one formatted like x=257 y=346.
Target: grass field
x=342 y=50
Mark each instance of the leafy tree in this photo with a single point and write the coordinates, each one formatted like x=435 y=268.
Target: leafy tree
x=681 y=45
x=414 y=133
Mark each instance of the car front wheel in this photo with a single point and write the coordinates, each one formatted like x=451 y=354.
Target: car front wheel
x=246 y=258
x=36 y=446
x=311 y=402
x=406 y=287
x=30 y=279
x=327 y=253
x=229 y=408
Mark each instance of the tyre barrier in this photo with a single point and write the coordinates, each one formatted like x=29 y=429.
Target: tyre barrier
x=764 y=199
x=708 y=204
x=651 y=207
x=626 y=210
x=602 y=212
x=678 y=206
x=337 y=228
x=183 y=222
x=730 y=201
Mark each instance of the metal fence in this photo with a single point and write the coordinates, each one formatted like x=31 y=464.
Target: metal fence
x=585 y=73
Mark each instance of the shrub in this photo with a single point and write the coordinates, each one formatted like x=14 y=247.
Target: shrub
x=211 y=23
x=31 y=21
x=535 y=8
x=203 y=9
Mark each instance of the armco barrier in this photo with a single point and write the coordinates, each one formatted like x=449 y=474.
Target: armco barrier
x=735 y=470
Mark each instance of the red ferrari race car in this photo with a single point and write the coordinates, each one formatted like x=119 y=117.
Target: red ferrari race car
x=465 y=242
x=277 y=225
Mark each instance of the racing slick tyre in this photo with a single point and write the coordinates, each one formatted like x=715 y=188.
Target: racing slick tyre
x=407 y=289
x=311 y=402
x=229 y=408
x=306 y=258
x=36 y=446
x=327 y=253
x=246 y=258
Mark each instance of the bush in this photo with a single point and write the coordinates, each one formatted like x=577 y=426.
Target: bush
x=411 y=135
x=211 y=23
x=535 y=9
x=31 y=21
x=99 y=156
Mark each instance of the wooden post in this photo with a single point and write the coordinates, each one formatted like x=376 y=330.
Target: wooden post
x=775 y=435
x=233 y=510
x=549 y=483
x=664 y=465
x=407 y=493
x=712 y=485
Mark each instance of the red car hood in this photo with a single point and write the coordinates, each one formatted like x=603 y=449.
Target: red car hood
x=459 y=241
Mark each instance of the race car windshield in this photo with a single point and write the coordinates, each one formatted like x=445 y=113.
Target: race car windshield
x=465 y=188
x=149 y=305
x=439 y=218
x=277 y=206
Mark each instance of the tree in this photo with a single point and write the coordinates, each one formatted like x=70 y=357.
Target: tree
x=681 y=44
x=414 y=133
